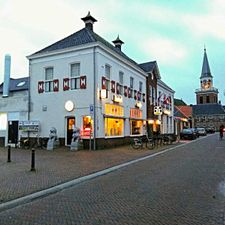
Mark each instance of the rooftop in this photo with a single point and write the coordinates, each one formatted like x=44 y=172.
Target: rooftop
x=19 y=84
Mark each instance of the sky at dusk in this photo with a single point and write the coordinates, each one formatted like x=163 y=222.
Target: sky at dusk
x=172 y=32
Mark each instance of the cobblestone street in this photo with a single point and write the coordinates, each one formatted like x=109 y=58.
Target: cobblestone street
x=183 y=186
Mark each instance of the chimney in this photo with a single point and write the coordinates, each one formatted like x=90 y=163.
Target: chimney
x=89 y=21
x=118 y=43
x=6 y=76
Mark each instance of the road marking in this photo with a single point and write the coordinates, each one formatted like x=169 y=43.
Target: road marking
x=40 y=194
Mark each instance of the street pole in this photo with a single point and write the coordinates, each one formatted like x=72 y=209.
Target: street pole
x=9 y=153
x=32 y=160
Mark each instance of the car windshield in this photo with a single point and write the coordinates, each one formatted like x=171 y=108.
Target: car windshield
x=187 y=131
x=200 y=129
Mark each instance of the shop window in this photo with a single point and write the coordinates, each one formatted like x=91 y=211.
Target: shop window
x=87 y=126
x=113 y=127
x=49 y=79
x=136 y=127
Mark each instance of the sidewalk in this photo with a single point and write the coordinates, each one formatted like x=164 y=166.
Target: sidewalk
x=56 y=167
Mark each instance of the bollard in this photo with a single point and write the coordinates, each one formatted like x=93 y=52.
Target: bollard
x=9 y=153
x=32 y=159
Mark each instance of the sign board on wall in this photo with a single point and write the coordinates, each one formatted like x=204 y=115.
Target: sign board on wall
x=29 y=125
x=157 y=110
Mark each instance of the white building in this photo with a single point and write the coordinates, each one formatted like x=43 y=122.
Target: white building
x=165 y=99
x=84 y=81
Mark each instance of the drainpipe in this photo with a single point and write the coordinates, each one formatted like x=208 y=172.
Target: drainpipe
x=6 y=76
x=94 y=68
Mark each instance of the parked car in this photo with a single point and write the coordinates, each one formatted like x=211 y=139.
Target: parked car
x=210 y=130
x=195 y=131
x=201 y=131
x=188 y=134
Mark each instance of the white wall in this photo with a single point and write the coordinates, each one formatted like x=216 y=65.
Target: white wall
x=55 y=101
x=16 y=108
x=167 y=121
x=82 y=98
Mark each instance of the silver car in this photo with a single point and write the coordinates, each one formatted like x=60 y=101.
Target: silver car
x=201 y=131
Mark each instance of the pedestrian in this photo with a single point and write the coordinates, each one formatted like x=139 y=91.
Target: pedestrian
x=221 y=131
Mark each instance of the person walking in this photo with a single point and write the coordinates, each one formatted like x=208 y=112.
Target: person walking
x=221 y=131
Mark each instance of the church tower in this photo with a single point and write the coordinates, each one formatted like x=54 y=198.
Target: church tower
x=206 y=94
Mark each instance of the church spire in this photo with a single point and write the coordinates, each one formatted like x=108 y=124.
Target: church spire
x=205 y=66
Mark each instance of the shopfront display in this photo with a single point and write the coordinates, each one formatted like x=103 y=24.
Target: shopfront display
x=86 y=130
x=136 y=122
x=114 y=121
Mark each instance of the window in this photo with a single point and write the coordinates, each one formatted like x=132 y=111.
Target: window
x=131 y=82
x=140 y=86
x=136 y=127
x=75 y=83
x=114 y=127
x=121 y=82
x=153 y=95
x=207 y=99
x=201 y=99
x=75 y=70
x=75 y=76
x=131 y=86
x=49 y=73
x=49 y=79
x=107 y=71
x=3 y=121
x=87 y=126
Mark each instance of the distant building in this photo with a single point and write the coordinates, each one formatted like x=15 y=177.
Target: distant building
x=13 y=108
x=207 y=112
x=158 y=95
x=206 y=94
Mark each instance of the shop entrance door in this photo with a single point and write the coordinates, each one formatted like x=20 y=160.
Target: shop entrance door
x=70 y=126
x=13 y=132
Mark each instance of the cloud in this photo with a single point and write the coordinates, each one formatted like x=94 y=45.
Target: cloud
x=167 y=51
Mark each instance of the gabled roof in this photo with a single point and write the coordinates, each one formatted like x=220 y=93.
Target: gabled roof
x=208 y=109
x=81 y=37
x=149 y=67
x=186 y=110
x=179 y=102
x=205 y=66
x=179 y=113
x=19 y=84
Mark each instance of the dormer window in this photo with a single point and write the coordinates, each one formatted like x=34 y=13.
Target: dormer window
x=21 y=84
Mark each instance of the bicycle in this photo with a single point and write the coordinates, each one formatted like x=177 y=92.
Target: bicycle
x=138 y=143
x=23 y=143
x=39 y=143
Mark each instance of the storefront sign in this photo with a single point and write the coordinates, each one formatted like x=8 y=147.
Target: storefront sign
x=91 y=109
x=29 y=125
x=114 y=110
x=138 y=104
x=167 y=112
x=136 y=113
x=157 y=110
x=117 y=98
